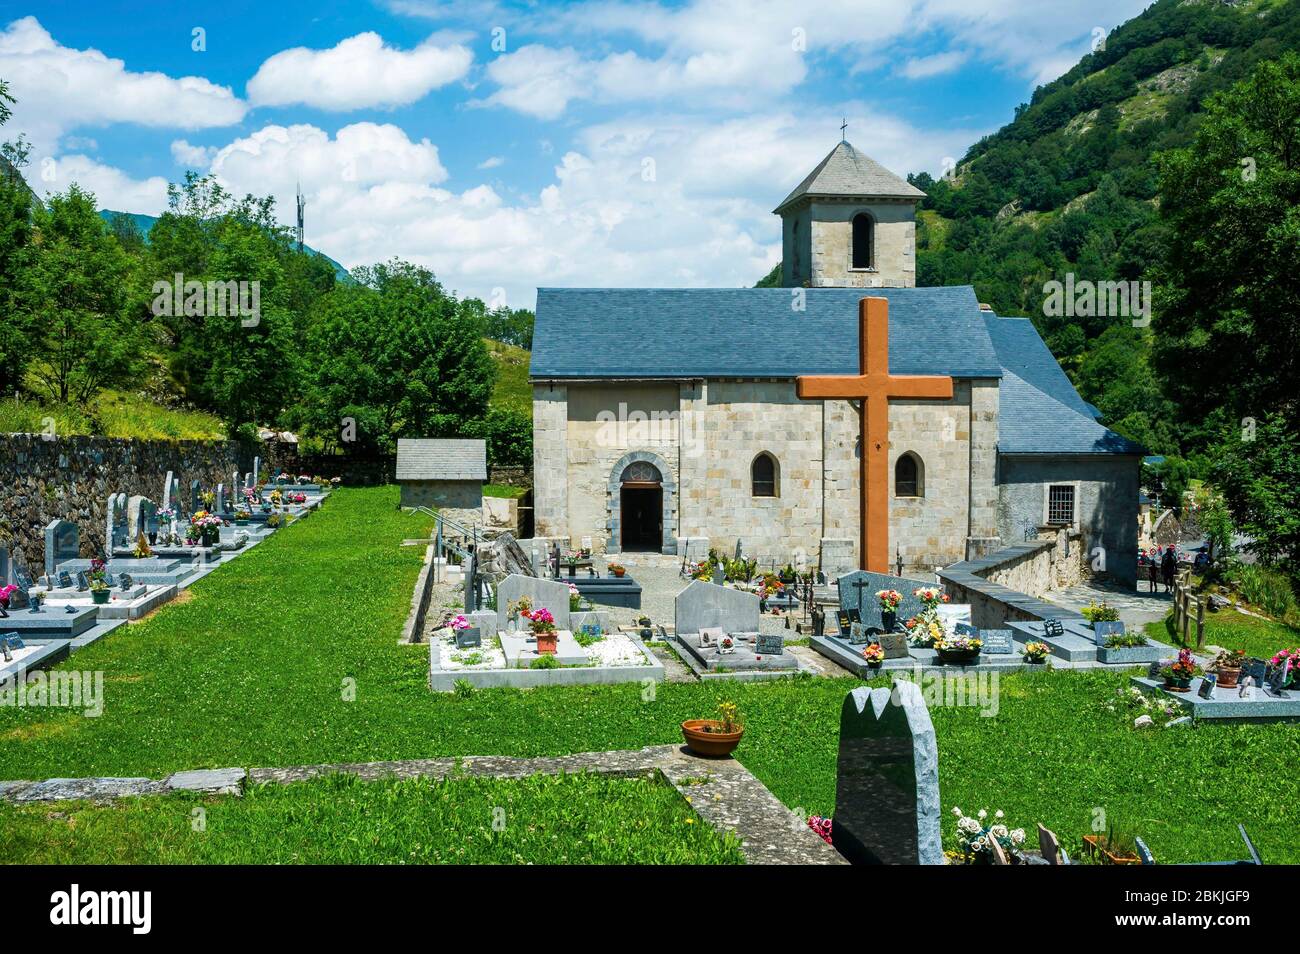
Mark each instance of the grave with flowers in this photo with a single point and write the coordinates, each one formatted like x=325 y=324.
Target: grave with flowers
x=538 y=634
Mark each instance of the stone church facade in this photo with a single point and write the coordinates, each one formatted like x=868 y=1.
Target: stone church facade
x=667 y=420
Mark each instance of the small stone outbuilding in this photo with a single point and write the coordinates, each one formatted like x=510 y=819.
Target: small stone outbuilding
x=443 y=474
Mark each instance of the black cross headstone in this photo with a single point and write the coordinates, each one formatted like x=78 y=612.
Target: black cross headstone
x=858 y=585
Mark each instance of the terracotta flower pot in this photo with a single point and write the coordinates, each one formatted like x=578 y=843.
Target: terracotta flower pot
x=715 y=743
x=1097 y=848
x=1228 y=677
x=618 y=573
x=548 y=643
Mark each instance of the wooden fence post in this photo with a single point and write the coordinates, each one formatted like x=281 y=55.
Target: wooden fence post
x=1200 y=624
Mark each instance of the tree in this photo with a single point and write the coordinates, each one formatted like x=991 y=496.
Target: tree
x=15 y=256
x=1226 y=335
x=394 y=356
x=1257 y=469
x=84 y=337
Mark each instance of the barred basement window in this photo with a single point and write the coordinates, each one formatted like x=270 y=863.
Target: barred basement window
x=1060 y=504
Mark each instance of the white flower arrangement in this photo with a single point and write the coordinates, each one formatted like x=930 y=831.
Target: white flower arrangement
x=975 y=837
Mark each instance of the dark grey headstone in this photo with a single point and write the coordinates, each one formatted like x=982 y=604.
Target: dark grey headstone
x=1206 y=688
x=62 y=542
x=65 y=580
x=6 y=566
x=887 y=806
x=858 y=591
x=766 y=644
x=83 y=581
x=1052 y=627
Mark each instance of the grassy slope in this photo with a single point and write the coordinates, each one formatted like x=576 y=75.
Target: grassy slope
x=576 y=819
x=251 y=670
x=512 y=389
x=1260 y=638
x=113 y=414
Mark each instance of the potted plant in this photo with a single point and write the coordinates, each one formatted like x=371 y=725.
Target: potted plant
x=571 y=558
x=958 y=650
x=726 y=646
x=465 y=634
x=1290 y=659
x=1036 y=652
x=888 y=601
x=715 y=737
x=205 y=528
x=1116 y=845
x=99 y=586
x=874 y=654
x=617 y=569
x=1179 y=675
x=1228 y=667
x=542 y=623
x=644 y=623
x=1100 y=613
x=242 y=517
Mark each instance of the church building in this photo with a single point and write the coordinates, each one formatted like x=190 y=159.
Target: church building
x=668 y=420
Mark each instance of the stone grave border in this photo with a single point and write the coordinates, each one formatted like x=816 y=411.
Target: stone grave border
x=1226 y=708
x=689 y=659
x=444 y=680
x=722 y=792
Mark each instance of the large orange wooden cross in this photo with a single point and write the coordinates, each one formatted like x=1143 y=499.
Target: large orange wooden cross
x=874 y=386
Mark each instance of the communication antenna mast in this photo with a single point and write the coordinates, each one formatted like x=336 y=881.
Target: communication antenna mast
x=302 y=205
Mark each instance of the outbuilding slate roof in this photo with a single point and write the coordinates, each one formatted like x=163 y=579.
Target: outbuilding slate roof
x=441 y=459
x=674 y=333
x=847 y=172
x=1039 y=411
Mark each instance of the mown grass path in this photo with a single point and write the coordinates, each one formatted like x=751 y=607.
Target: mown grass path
x=252 y=671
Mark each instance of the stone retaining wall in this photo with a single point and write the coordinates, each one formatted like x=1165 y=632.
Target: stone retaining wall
x=70 y=478
x=1006 y=585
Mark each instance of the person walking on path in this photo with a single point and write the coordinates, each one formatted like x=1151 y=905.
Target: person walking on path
x=1168 y=567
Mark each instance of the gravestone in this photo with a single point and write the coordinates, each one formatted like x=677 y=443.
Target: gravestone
x=1206 y=688
x=1102 y=630
x=141 y=517
x=887 y=807
x=65 y=580
x=858 y=592
x=62 y=542
x=170 y=484
x=719 y=574
x=221 y=498
x=894 y=644
x=704 y=604
x=83 y=581
x=996 y=641
x=115 y=524
x=1052 y=628
x=248 y=480
x=551 y=594
x=6 y=567
x=769 y=645
x=257 y=471
x=196 y=496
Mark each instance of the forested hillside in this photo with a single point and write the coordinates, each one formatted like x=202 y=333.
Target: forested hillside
x=1072 y=185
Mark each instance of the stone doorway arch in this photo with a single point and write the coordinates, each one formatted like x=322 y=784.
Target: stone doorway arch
x=631 y=469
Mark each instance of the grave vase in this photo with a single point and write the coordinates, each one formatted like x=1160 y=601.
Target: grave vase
x=99 y=597
x=888 y=620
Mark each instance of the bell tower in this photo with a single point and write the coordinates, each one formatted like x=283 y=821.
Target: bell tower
x=850 y=224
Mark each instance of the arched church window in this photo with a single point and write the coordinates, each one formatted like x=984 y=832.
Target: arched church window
x=863 y=227
x=909 y=476
x=763 y=474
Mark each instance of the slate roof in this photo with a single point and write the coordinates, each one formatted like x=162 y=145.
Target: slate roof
x=1039 y=411
x=673 y=333
x=442 y=459
x=847 y=172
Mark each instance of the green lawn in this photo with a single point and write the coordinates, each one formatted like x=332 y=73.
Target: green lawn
x=575 y=819
x=512 y=389
x=503 y=490
x=258 y=667
x=1257 y=637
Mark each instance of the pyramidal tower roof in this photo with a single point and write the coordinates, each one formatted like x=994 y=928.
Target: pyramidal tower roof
x=847 y=172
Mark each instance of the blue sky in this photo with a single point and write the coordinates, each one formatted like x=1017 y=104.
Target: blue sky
x=511 y=145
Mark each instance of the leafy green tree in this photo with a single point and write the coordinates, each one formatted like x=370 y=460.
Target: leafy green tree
x=84 y=336
x=1226 y=333
x=394 y=356
x=1258 y=472
x=15 y=256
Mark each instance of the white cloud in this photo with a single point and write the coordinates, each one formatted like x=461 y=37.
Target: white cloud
x=198 y=157
x=649 y=201
x=113 y=188
x=923 y=67
x=491 y=162
x=59 y=89
x=361 y=71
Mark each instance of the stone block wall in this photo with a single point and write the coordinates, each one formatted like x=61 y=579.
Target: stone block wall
x=70 y=478
x=831 y=253
x=1008 y=585
x=550 y=460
